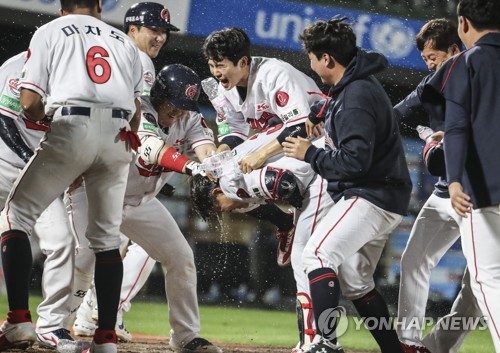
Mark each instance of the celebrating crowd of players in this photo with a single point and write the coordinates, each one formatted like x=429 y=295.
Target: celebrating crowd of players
x=85 y=157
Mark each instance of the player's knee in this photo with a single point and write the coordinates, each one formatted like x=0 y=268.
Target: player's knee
x=282 y=185
x=353 y=292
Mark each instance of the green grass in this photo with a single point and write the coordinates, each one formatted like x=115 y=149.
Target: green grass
x=253 y=327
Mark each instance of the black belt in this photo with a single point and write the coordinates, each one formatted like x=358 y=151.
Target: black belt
x=85 y=111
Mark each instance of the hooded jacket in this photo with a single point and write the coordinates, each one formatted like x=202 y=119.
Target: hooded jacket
x=365 y=157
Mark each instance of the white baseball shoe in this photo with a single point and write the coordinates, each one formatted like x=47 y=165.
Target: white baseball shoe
x=85 y=325
x=323 y=346
x=197 y=345
x=84 y=328
x=121 y=331
x=20 y=336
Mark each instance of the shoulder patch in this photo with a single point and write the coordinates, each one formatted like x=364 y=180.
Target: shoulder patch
x=281 y=98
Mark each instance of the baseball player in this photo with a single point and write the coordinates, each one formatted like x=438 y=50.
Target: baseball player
x=89 y=114
x=258 y=93
x=435 y=229
x=148 y=24
x=367 y=178
x=19 y=138
x=170 y=125
x=471 y=128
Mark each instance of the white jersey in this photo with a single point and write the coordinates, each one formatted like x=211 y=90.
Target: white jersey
x=276 y=93
x=146 y=180
x=93 y=77
x=251 y=188
x=148 y=72
x=30 y=131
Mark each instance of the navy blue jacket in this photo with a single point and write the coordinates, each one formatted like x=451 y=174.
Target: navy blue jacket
x=413 y=102
x=470 y=84
x=367 y=158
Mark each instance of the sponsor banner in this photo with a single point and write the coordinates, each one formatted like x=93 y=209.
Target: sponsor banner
x=278 y=23
x=113 y=11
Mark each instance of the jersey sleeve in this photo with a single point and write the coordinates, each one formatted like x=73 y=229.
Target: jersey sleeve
x=288 y=97
x=35 y=76
x=198 y=132
x=10 y=73
x=137 y=73
x=229 y=121
x=148 y=73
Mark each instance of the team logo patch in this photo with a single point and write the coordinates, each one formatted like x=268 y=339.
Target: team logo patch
x=281 y=98
x=148 y=78
x=165 y=14
x=191 y=91
x=14 y=84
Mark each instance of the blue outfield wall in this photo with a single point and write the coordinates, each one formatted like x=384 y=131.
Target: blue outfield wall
x=277 y=24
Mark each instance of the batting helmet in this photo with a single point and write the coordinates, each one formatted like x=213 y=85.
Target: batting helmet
x=179 y=84
x=149 y=14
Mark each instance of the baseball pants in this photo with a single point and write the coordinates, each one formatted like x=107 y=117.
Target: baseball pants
x=481 y=246
x=435 y=230
x=350 y=226
x=54 y=237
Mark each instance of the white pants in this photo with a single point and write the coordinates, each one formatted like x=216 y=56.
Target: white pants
x=75 y=146
x=435 y=230
x=464 y=306
x=481 y=245
x=351 y=226
x=153 y=229
x=54 y=237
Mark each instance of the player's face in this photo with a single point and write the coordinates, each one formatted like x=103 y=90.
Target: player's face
x=228 y=74
x=148 y=40
x=434 y=58
x=320 y=66
x=225 y=204
x=168 y=114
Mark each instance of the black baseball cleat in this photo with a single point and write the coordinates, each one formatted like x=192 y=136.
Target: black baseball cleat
x=198 y=345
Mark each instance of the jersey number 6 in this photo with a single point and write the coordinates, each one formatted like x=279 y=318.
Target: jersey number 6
x=97 y=67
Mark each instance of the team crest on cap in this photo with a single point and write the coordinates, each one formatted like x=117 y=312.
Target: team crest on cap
x=281 y=98
x=165 y=14
x=191 y=91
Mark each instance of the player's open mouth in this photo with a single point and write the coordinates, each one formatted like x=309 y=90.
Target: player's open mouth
x=224 y=82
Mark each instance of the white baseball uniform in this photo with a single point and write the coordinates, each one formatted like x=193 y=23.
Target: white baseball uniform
x=134 y=276
x=51 y=230
x=276 y=93
x=90 y=74
x=149 y=224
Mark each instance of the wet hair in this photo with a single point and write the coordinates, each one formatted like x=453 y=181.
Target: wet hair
x=440 y=34
x=483 y=14
x=231 y=43
x=334 y=37
x=72 y=5
x=202 y=197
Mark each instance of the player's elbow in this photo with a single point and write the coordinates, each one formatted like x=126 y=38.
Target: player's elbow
x=32 y=105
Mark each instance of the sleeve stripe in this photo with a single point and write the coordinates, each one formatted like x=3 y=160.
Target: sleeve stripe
x=23 y=84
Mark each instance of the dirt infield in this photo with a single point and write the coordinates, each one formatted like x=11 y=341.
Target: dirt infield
x=153 y=344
